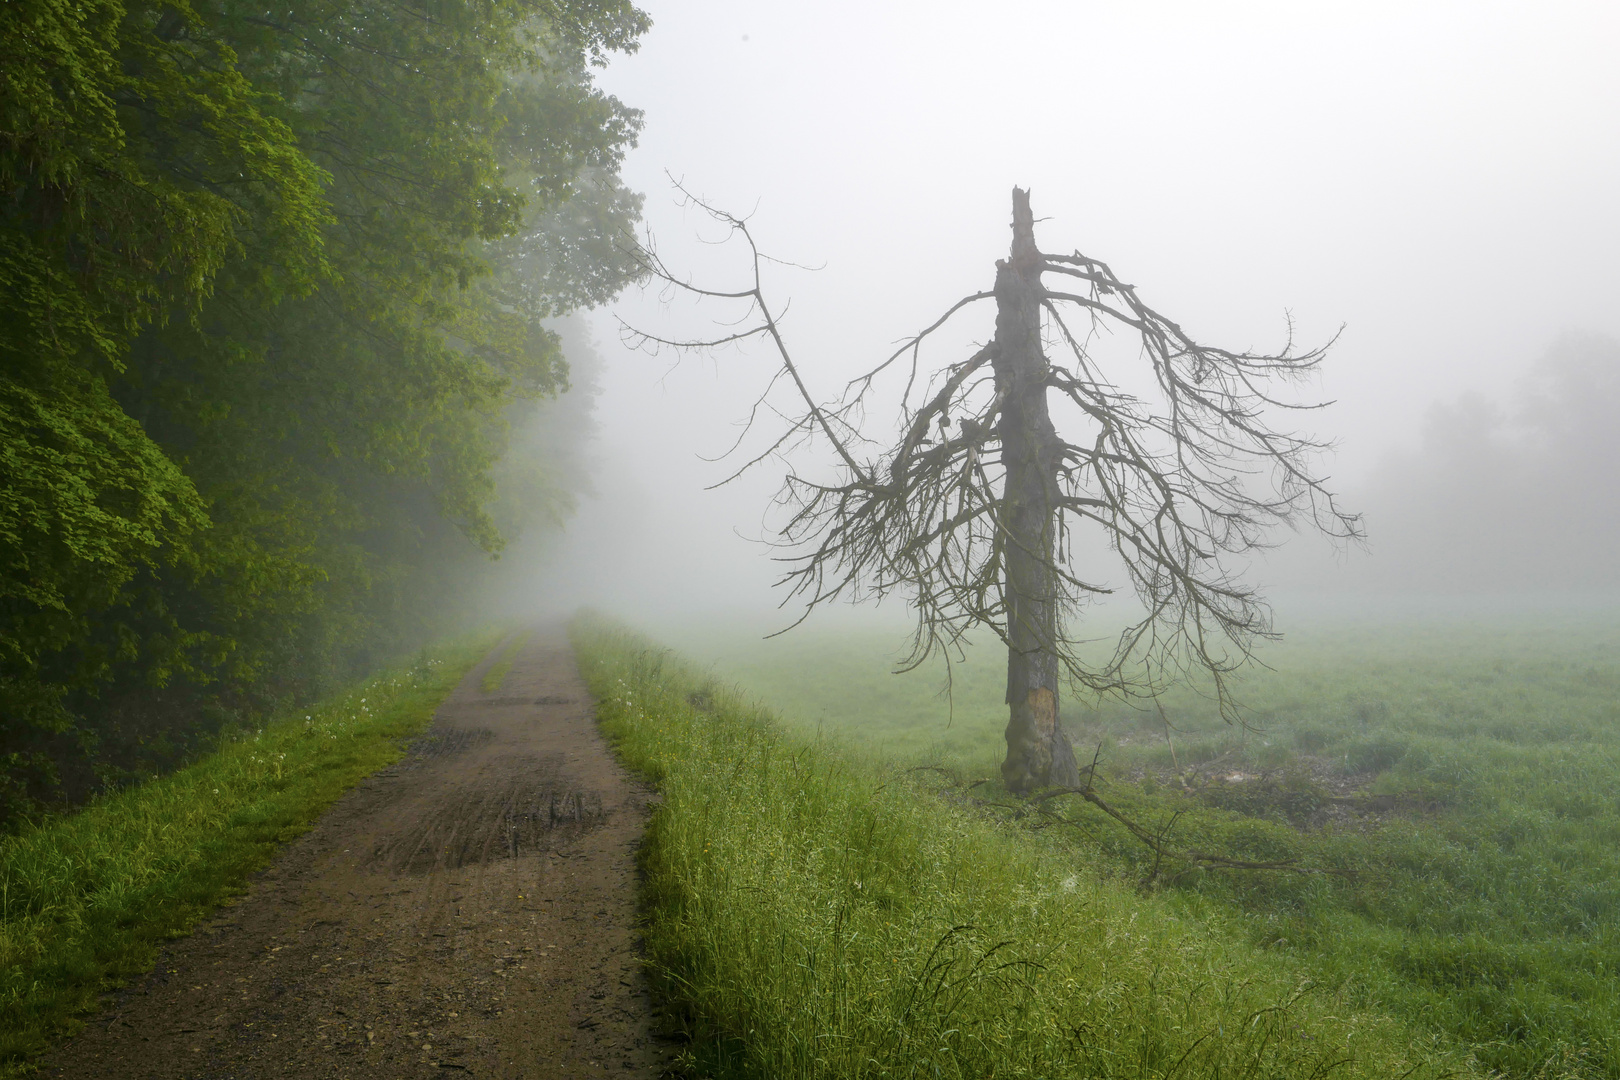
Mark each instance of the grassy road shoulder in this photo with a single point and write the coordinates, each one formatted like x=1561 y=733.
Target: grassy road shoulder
x=811 y=916
x=86 y=899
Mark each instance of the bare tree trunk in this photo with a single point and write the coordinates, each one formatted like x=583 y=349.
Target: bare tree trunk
x=1159 y=474
x=1038 y=752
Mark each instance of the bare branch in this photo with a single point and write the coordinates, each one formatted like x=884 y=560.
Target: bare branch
x=1177 y=482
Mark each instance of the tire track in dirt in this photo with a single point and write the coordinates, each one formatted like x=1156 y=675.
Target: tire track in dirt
x=468 y=912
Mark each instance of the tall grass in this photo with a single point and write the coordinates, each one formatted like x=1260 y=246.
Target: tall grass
x=813 y=916
x=86 y=899
x=1487 y=903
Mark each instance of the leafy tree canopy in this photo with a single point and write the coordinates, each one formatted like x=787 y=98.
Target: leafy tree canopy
x=273 y=285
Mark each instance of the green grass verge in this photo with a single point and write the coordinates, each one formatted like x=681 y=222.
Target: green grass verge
x=811 y=915
x=496 y=675
x=1487 y=907
x=85 y=900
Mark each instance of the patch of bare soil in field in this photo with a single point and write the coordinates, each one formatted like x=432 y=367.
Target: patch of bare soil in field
x=468 y=912
x=1309 y=792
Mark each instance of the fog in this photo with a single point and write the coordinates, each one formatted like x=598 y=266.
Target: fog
x=1435 y=178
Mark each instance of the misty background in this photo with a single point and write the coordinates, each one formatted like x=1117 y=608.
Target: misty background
x=1438 y=179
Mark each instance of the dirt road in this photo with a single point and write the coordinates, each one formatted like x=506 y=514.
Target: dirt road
x=468 y=912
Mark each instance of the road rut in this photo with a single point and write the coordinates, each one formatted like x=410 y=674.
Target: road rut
x=469 y=911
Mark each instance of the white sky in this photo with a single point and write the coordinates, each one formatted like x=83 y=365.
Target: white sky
x=1443 y=179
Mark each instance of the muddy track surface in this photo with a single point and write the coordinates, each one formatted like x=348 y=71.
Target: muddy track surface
x=467 y=912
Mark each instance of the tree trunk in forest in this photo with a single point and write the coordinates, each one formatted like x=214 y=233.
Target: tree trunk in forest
x=1038 y=752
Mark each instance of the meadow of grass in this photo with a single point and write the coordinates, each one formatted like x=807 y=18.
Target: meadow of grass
x=815 y=912
x=1466 y=769
x=87 y=898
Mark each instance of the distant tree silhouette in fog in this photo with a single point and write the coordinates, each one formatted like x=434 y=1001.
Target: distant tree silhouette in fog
x=1509 y=497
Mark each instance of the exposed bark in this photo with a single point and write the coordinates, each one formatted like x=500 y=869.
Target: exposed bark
x=1038 y=752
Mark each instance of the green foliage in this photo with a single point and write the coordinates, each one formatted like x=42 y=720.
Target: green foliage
x=85 y=901
x=274 y=286
x=811 y=915
x=137 y=159
x=88 y=499
x=1463 y=768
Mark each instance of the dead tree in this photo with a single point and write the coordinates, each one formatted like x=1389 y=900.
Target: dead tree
x=971 y=514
